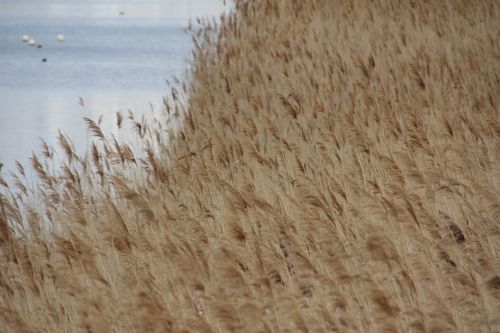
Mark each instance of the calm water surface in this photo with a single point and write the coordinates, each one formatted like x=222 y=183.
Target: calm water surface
x=116 y=57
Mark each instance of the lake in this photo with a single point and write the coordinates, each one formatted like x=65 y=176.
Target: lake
x=116 y=56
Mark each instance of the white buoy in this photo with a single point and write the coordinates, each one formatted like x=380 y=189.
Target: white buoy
x=60 y=38
x=31 y=42
x=25 y=38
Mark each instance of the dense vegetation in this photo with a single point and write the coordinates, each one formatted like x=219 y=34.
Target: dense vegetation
x=337 y=169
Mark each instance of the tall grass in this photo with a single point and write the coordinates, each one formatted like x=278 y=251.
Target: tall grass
x=337 y=171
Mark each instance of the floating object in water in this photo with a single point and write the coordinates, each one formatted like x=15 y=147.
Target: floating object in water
x=44 y=60
x=25 y=38
x=122 y=12
x=31 y=42
x=39 y=46
x=60 y=38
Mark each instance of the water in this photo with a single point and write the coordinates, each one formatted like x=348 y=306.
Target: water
x=116 y=57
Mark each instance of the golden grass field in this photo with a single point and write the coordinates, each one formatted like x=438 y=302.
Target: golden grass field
x=337 y=170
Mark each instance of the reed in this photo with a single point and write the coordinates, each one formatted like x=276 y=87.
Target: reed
x=332 y=166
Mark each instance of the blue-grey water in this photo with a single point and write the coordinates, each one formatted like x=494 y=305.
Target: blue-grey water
x=116 y=56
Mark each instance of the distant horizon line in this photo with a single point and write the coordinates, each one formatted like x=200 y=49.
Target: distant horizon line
x=182 y=11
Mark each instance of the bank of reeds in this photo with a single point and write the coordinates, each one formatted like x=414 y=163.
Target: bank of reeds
x=337 y=171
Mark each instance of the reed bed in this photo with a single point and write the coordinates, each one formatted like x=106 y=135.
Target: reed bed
x=336 y=169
